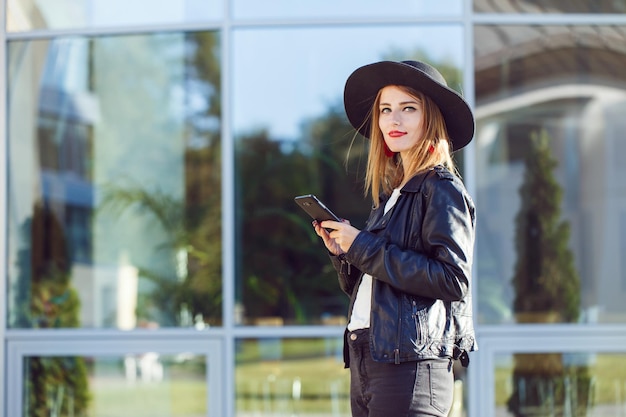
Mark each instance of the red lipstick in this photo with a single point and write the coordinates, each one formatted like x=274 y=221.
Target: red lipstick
x=396 y=133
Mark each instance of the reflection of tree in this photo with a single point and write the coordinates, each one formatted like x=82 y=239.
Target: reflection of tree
x=547 y=289
x=54 y=384
x=191 y=242
x=545 y=279
x=185 y=266
x=283 y=269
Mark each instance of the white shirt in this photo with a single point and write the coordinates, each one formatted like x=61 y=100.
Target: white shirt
x=360 y=318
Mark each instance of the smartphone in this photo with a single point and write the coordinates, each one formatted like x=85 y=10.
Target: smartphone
x=315 y=208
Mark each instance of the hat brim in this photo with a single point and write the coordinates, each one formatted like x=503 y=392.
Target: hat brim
x=364 y=83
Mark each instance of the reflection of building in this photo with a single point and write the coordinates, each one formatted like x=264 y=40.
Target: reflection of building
x=565 y=80
x=67 y=115
x=108 y=295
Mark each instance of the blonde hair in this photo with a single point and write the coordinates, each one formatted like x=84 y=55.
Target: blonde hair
x=386 y=173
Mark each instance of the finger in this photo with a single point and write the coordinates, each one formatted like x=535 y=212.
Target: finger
x=331 y=224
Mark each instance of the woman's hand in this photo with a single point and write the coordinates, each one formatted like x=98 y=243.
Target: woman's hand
x=340 y=237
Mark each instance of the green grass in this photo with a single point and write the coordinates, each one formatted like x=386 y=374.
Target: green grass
x=267 y=385
x=267 y=372
x=263 y=384
x=607 y=370
x=181 y=398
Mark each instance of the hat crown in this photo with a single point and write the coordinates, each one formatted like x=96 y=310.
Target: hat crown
x=428 y=70
x=365 y=82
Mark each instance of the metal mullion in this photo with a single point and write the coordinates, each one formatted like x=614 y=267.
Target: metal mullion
x=230 y=23
x=344 y=22
x=473 y=376
x=4 y=378
x=228 y=219
x=139 y=335
x=548 y=19
x=108 y=31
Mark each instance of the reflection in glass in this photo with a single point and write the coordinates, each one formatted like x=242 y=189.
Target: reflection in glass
x=251 y=9
x=114 y=214
x=26 y=15
x=561 y=83
x=292 y=138
x=140 y=385
x=550 y=6
x=560 y=384
x=291 y=377
x=302 y=377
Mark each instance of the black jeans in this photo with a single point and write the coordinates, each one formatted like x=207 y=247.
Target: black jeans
x=410 y=389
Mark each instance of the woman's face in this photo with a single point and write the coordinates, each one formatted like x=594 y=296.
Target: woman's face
x=400 y=119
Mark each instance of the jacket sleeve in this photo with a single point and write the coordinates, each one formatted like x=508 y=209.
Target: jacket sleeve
x=347 y=274
x=443 y=269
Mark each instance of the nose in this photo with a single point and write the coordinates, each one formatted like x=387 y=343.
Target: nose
x=395 y=119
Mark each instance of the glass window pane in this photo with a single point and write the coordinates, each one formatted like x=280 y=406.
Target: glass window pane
x=550 y=6
x=301 y=377
x=560 y=384
x=291 y=377
x=25 y=15
x=114 y=165
x=252 y=9
x=292 y=138
x=550 y=105
x=140 y=385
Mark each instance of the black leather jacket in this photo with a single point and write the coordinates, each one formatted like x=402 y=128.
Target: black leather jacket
x=420 y=255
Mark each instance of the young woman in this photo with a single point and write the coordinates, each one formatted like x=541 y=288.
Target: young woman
x=408 y=273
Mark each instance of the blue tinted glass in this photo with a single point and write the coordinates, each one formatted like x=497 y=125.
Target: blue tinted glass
x=25 y=15
x=252 y=9
x=114 y=218
x=549 y=173
x=292 y=138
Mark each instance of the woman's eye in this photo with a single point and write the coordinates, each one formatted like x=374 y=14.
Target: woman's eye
x=409 y=108
x=385 y=110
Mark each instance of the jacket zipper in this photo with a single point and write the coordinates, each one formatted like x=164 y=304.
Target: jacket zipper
x=396 y=351
x=416 y=320
x=344 y=264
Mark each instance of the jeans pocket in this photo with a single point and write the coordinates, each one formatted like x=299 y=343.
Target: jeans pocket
x=441 y=384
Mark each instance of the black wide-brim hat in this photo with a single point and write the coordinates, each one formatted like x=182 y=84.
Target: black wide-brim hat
x=364 y=83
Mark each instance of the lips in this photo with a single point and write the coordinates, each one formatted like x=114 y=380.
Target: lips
x=396 y=134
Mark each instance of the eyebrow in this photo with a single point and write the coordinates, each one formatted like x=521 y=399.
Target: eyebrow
x=401 y=103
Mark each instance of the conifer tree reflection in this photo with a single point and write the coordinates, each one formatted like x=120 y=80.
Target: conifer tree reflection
x=547 y=290
x=46 y=299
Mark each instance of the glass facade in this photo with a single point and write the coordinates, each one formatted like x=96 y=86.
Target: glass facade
x=291 y=377
x=291 y=138
x=284 y=9
x=30 y=15
x=88 y=218
x=560 y=85
x=142 y=385
x=576 y=384
x=155 y=261
x=551 y=6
